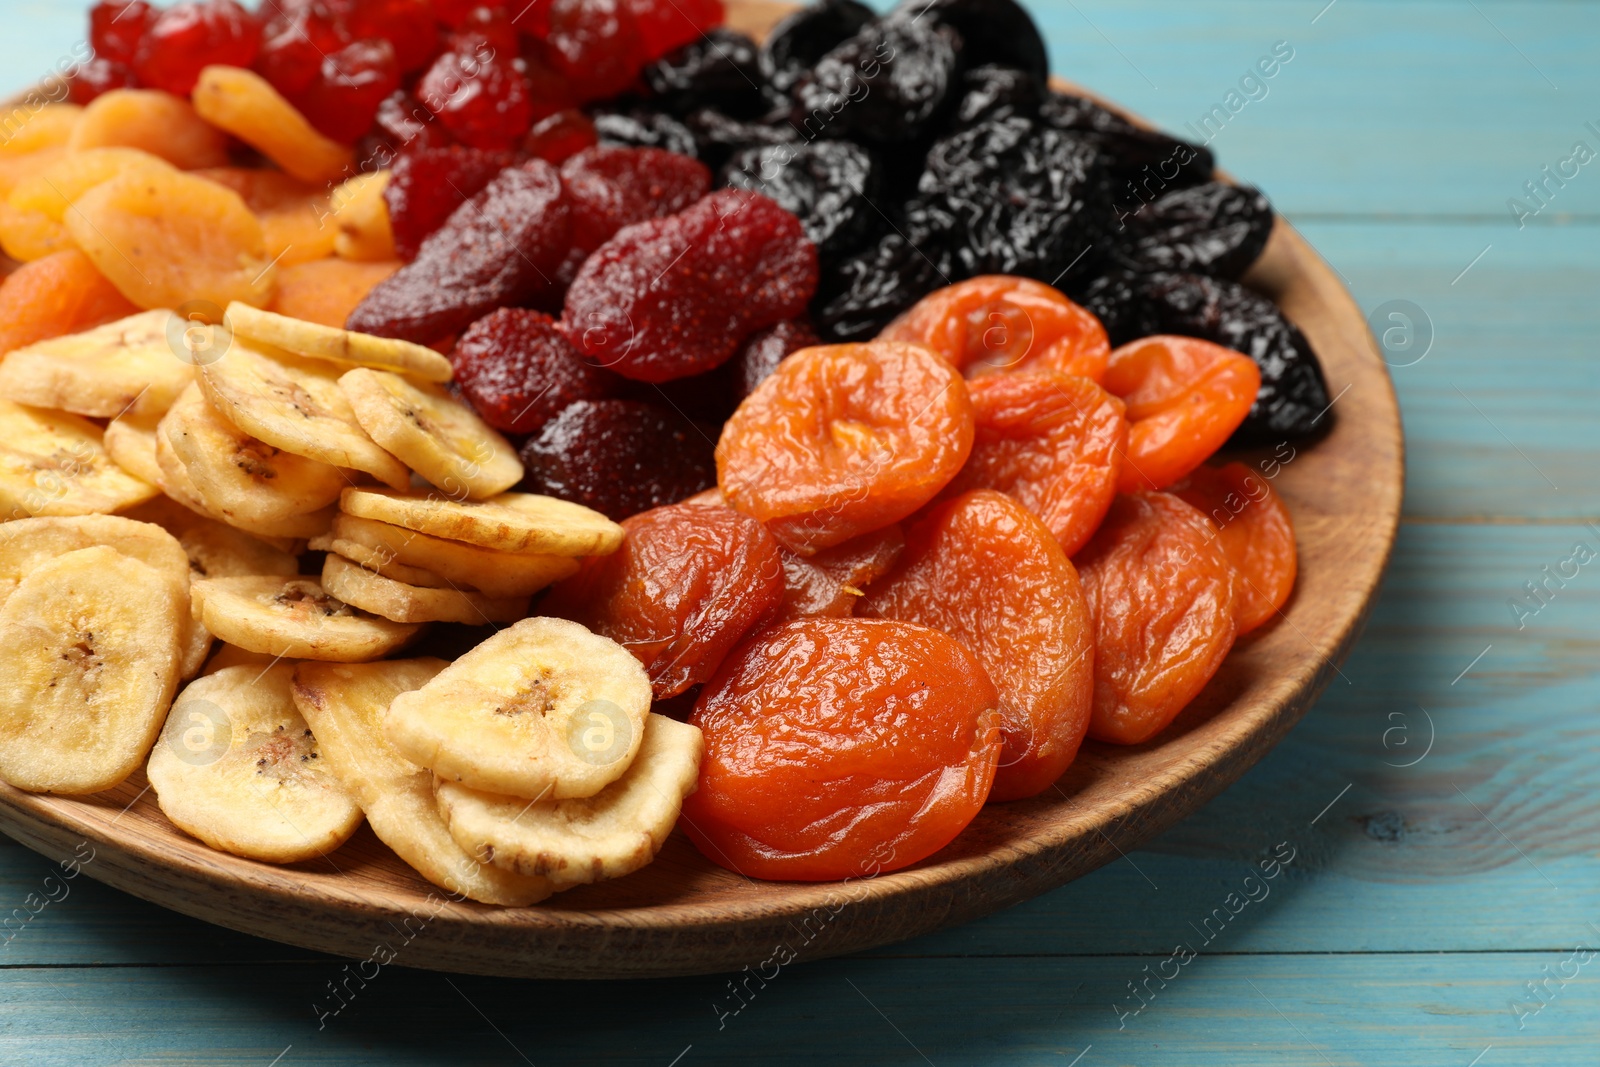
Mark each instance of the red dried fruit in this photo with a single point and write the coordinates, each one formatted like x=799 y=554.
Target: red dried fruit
x=619 y=457
x=831 y=582
x=408 y=25
x=454 y=13
x=557 y=138
x=194 y=34
x=594 y=44
x=427 y=185
x=294 y=41
x=485 y=25
x=1161 y=594
x=350 y=85
x=765 y=349
x=1254 y=530
x=401 y=126
x=115 y=27
x=479 y=96
x=672 y=297
x=984 y=570
x=688 y=583
x=609 y=188
x=841 y=748
x=668 y=24
x=498 y=249
x=96 y=76
x=519 y=371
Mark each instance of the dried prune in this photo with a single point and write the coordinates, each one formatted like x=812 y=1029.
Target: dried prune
x=889 y=83
x=1214 y=229
x=688 y=583
x=845 y=439
x=765 y=349
x=498 y=249
x=796 y=44
x=668 y=298
x=868 y=289
x=519 y=371
x=1254 y=530
x=992 y=31
x=640 y=128
x=608 y=188
x=1161 y=596
x=1147 y=162
x=619 y=457
x=994 y=92
x=829 y=185
x=984 y=570
x=427 y=185
x=841 y=748
x=717 y=135
x=717 y=68
x=831 y=582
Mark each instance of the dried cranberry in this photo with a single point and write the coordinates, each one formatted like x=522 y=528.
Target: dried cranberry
x=609 y=188
x=485 y=25
x=498 y=249
x=426 y=186
x=667 y=24
x=765 y=349
x=294 y=42
x=620 y=457
x=115 y=27
x=479 y=96
x=519 y=371
x=194 y=34
x=557 y=138
x=595 y=45
x=408 y=25
x=455 y=12
x=98 y=75
x=673 y=297
x=351 y=84
x=401 y=126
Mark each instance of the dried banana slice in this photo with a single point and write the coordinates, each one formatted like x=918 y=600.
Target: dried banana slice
x=131 y=444
x=87 y=669
x=178 y=483
x=433 y=433
x=570 y=842
x=296 y=405
x=509 y=573
x=345 y=704
x=376 y=559
x=123 y=368
x=338 y=346
x=510 y=522
x=294 y=617
x=390 y=599
x=53 y=463
x=237 y=767
x=517 y=714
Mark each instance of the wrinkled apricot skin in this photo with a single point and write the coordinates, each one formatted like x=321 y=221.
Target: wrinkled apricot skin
x=1254 y=529
x=327 y=290
x=1052 y=441
x=984 y=570
x=831 y=582
x=841 y=748
x=152 y=121
x=999 y=323
x=842 y=440
x=1185 y=397
x=247 y=106
x=51 y=126
x=687 y=585
x=59 y=294
x=1161 y=594
x=362 y=218
x=296 y=217
x=33 y=227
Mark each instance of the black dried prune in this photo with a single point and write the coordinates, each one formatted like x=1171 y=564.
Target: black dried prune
x=641 y=128
x=888 y=83
x=829 y=185
x=1213 y=229
x=1141 y=164
x=867 y=290
x=719 y=68
x=994 y=31
x=994 y=92
x=796 y=44
x=717 y=135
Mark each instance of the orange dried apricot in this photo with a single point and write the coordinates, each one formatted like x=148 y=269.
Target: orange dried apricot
x=831 y=582
x=152 y=121
x=844 y=439
x=984 y=570
x=1052 y=441
x=362 y=218
x=296 y=216
x=841 y=748
x=247 y=106
x=49 y=126
x=327 y=290
x=689 y=581
x=1254 y=529
x=1185 y=397
x=165 y=240
x=1161 y=595
x=33 y=226
x=60 y=294
x=998 y=322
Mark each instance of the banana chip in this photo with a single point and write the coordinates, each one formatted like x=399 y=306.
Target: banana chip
x=460 y=564
x=397 y=601
x=87 y=669
x=178 y=482
x=526 y=712
x=131 y=444
x=338 y=346
x=123 y=368
x=345 y=704
x=237 y=767
x=294 y=617
x=433 y=433
x=376 y=559
x=53 y=463
x=296 y=405
x=510 y=522
x=571 y=842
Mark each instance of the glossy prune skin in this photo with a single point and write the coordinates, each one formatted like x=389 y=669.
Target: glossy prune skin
x=718 y=68
x=619 y=457
x=765 y=349
x=830 y=186
x=1254 y=530
x=1213 y=229
x=992 y=31
x=717 y=135
x=796 y=44
x=688 y=583
x=865 y=291
x=519 y=371
x=841 y=748
x=642 y=128
x=427 y=185
x=889 y=83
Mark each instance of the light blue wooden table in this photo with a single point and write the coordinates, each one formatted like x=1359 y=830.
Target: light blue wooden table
x=1442 y=801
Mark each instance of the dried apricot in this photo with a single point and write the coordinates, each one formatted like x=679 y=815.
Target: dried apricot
x=688 y=583
x=327 y=290
x=247 y=106
x=1052 y=441
x=151 y=121
x=841 y=748
x=167 y=239
x=1161 y=594
x=1254 y=529
x=984 y=570
x=1185 y=397
x=34 y=226
x=295 y=215
x=48 y=127
x=59 y=294
x=830 y=583
x=844 y=439
x=998 y=322
x=362 y=216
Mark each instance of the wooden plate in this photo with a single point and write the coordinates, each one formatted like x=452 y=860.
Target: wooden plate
x=682 y=915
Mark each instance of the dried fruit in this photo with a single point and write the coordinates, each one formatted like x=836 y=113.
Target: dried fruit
x=50 y=126
x=246 y=105
x=595 y=45
x=364 y=232
x=115 y=27
x=997 y=92
x=608 y=188
x=992 y=31
x=841 y=748
x=864 y=292
x=829 y=185
x=97 y=76
x=1161 y=594
x=32 y=226
x=407 y=25
x=665 y=26
x=717 y=68
x=889 y=82
x=795 y=44
x=59 y=294
x=644 y=129
x=154 y=122
x=325 y=291
x=519 y=371
x=426 y=185
x=194 y=34
x=294 y=40
x=831 y=582
x=350 y=85
x=1214 y=229
x=479 y=96
x=688 y=583
x=557 y=138
x=1254 y=530
x=1184 y=398
x=765 y=349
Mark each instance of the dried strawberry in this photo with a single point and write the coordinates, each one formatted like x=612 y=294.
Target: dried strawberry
x=294 y=41
x=479 y=96
x=557 y=138
x=115 y=27
x=672 y=297
x=194 y=34
x=426 y=186
x=520 y=372
x=620 y=457
x=667 y=24
x=352 y=82
x=609 y=188
x=98 y=75
x=765 y=349
x=595 y=44
x=498 y=249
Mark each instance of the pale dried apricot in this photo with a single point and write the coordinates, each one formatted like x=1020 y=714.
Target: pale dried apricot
x=48 y=126
x=296 y=216
x=247 y=106
x=1254 y=529
x=33 y=226
x=362 y=219
x=60 y=294
x=327 y=290
x=152 y=121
